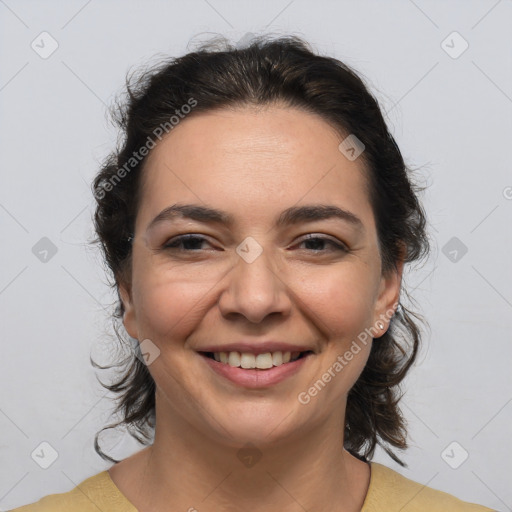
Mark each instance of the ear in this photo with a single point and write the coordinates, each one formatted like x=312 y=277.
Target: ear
x=129 y=318
x=387 y=299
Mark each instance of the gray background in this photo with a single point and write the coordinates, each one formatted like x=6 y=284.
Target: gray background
x=451 y=118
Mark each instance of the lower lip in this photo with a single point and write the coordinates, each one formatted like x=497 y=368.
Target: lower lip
x=256 y=378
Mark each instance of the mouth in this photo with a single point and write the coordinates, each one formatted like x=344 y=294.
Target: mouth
x=249 y=361
x=256 y=371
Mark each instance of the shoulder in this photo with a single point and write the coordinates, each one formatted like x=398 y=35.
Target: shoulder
x=389 y=490
x=97 y=492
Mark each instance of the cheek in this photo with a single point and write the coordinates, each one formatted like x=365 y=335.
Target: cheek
x=169 y=307
x=341 y=300
x=171 y=302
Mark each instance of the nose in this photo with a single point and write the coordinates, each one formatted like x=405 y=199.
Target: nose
x=255 y=290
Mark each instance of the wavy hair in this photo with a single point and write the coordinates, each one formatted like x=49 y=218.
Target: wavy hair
x=284 y=71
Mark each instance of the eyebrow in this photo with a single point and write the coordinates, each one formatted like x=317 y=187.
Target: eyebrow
x=290 y=216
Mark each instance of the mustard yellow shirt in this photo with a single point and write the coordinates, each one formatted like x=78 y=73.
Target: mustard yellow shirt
x=388 y=492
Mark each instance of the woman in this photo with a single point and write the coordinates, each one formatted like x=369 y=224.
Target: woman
x=256 y=219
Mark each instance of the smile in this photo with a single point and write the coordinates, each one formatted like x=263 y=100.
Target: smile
x=255 y=370
x=247 y=360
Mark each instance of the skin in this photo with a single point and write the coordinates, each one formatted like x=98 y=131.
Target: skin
x=252 y=163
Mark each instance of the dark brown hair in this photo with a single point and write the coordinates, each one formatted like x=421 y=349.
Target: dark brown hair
x=267 y=71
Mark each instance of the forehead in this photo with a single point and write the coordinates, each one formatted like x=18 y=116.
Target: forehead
x=252 y=160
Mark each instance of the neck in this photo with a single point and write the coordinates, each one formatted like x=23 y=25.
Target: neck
x=185 y=470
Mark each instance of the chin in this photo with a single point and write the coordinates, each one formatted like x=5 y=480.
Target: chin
x=261 y=425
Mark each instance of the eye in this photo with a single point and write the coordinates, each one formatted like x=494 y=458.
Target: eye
x=318 y=242
x=193 y=243
x=186 y=243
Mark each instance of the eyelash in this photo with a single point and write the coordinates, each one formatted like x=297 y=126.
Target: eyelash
x=173 y=245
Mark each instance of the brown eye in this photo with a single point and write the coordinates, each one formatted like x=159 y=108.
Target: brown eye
x=189 y=243
x=317 y=244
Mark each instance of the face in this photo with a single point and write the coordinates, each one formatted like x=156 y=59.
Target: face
x=268 y=273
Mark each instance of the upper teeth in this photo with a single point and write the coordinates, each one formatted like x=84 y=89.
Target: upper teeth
x=260 y=361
